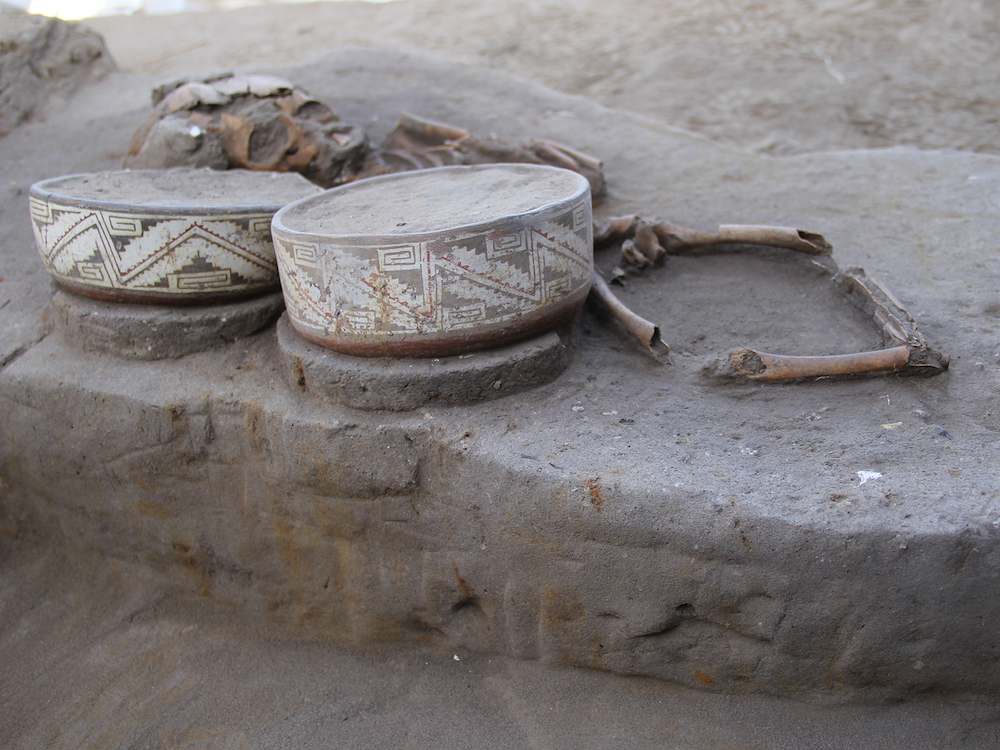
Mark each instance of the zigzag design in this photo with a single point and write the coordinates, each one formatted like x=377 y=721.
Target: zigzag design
x=393 y=302
x=489 y=281
x=292 y=278
x=120 y=275
x=305 y=292
x=561 y=248
x=196 y=230
x=89 y=221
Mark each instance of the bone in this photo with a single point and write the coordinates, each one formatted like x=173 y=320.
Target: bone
x=584 y=160
x=897 y=325
x=754 y=365
x=785 y=237
x=647 y=243
x=554 y=155
x=907 y=352
x=632 y=255
x=561 y=155
x=643 y=244
x=436 y=131
x=675 y=239
x=640 y=329
x=190 y=95
x=261 y=85
x=613 y=229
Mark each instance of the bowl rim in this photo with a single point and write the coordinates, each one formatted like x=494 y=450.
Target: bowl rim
x=280 y=230
x=48 y=190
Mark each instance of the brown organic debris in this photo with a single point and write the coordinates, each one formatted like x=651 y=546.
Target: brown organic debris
x=417 y=143
x=248 y=122
x=266 y=123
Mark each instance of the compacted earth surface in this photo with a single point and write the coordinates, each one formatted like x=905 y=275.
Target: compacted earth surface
x=872 y=122
x=770 y=77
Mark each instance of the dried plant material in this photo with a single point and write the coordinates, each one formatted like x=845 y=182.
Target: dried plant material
x=640 y=329
x=248 y=122
x=417 y=143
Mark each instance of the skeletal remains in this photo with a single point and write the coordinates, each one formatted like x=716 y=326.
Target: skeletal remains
x=267 y=123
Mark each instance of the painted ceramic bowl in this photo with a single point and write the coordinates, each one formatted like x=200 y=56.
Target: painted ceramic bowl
x=437 y=262
x=174 y=237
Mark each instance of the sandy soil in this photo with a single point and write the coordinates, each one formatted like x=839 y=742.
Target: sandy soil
x=770 y=77
x=775 y=77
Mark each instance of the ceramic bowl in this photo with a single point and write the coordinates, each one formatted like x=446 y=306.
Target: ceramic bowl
x=174 y=237
x=437 y=262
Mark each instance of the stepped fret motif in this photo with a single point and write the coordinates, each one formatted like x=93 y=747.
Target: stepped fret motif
x=453 y=282
x=152 y=254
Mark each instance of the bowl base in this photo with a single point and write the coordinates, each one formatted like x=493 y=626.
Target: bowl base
x=150 y=332
x=407 y=383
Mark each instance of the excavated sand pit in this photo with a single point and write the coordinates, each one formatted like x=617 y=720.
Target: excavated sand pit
x=834 y=541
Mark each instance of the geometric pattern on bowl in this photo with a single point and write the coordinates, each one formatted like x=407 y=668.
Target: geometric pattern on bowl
x=375 y=268
x=182 y=236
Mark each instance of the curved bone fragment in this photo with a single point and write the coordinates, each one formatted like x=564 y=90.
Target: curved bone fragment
x=906 y=352
x=897 y=325
x=640 y=329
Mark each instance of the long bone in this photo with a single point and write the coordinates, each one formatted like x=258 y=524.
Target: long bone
x=906 y=352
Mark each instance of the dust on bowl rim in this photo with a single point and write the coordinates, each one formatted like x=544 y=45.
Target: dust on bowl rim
x=176 y=237
x=437 y=262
